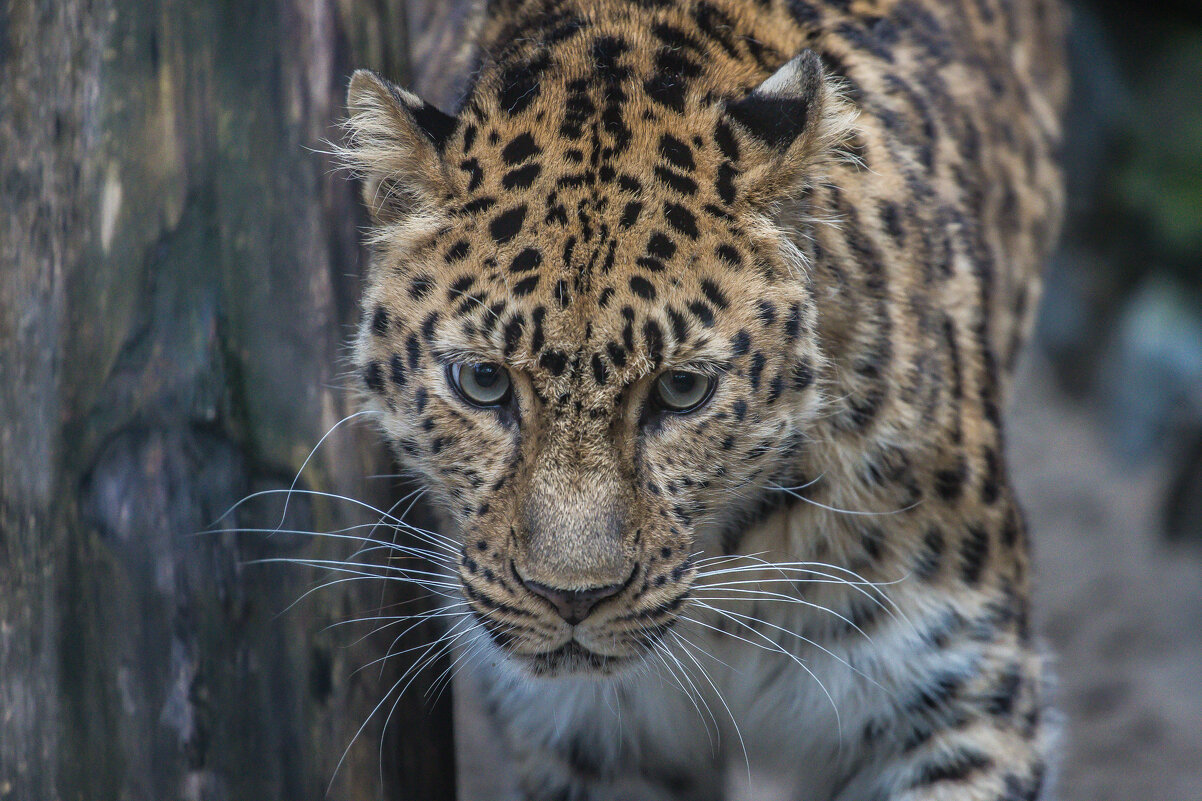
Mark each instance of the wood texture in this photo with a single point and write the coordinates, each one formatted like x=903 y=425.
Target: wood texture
x=178 y=275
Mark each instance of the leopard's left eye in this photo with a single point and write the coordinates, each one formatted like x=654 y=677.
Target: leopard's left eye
x=484 y=384
x=683 y=391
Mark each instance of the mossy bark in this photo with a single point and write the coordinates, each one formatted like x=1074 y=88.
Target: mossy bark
x=178 y=273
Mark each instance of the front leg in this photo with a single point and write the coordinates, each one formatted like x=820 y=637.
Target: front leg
x=985 y=740
x=980 y=764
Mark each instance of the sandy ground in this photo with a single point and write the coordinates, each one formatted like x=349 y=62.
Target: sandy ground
x=1120 y=609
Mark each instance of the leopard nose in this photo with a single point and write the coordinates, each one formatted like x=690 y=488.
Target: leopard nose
x=574 y=605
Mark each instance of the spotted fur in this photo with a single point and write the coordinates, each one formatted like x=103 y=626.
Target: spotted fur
x=838 y=210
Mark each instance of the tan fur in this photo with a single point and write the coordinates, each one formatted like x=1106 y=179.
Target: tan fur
x=857 y=274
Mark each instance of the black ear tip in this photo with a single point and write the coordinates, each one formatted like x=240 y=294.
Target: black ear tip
x=778 y=111
x=776 y=120
x=368 y=88
x=435 y=124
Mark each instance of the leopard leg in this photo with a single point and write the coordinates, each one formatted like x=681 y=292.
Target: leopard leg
x=981 y=763
x=988 y=740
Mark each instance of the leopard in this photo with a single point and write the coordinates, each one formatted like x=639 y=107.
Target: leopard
x=695 y=321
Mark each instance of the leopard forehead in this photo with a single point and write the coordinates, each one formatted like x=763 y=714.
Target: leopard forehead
x=597 y=221
x=626 y=271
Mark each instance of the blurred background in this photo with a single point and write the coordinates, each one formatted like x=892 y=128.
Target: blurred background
x=1106 y=425
x=179 y=266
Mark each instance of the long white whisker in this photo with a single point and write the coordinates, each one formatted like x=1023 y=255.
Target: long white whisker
x=722 y=631
x=334 y=582
x=393 y=620
x=730 y=614
x=706 y=676
x=781 y=649
x=823 y=578
x=777 y=597
x=305 y=464
x=433 y=538
x=338 y=534
x=793 y=568
x=377 y=707
x=859 y=584
x=837 y=510
x=416 y=495
x=460 y=662
x=661 y=650
x=339 y=566
x=417 y=621
x=389 y=654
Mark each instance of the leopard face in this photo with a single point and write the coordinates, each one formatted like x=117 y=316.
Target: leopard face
x=585 y=329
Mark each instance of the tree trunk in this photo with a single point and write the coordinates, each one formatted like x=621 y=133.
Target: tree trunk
x=178 y=276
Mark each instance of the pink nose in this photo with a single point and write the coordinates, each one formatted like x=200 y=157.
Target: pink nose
x=573 y=605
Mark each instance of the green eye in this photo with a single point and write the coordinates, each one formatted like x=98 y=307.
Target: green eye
x=681 y=391
x=485 y=384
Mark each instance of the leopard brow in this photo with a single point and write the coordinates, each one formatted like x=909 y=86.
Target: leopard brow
x=455 y=355
x=446 y=356
x=710 y=367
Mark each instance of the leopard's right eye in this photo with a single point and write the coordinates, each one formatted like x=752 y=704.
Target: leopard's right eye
x=484 y=384
x=682 y=391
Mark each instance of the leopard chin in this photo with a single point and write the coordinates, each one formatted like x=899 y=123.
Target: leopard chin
x=572 y=659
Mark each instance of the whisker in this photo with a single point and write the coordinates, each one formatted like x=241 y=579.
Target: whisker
x=836 y=509
x=660 y=650
x=415 y=495
x=795 y=581
x=392 y=619
x=339 y=534
x=438 y=655
x=339 y=566
x=460 y=662
x=432 y=537
x=859 y=584
x=827 y=578
x=417 y=621
x=283 y=515
x=730 y=614
x=334 y=582
x=384 y=700
x=769 y=597
x=389 y=654
x=720 y=630
x=733 y=721
x=781 y=649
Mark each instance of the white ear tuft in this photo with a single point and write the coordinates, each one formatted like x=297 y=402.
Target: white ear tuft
x=790 y=124
x=394 y=143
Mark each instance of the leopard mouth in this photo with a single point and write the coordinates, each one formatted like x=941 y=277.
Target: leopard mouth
x=600 y=650
x=570 y=659
x=574 y=658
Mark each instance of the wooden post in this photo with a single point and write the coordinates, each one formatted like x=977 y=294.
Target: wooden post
x=179 y=272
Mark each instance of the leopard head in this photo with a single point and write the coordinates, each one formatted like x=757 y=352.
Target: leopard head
x=586 y=328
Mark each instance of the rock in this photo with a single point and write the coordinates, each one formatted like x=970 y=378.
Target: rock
x=1151 y=382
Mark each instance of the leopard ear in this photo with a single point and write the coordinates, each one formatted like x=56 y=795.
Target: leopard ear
x=394 y=143
x=788 y=126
